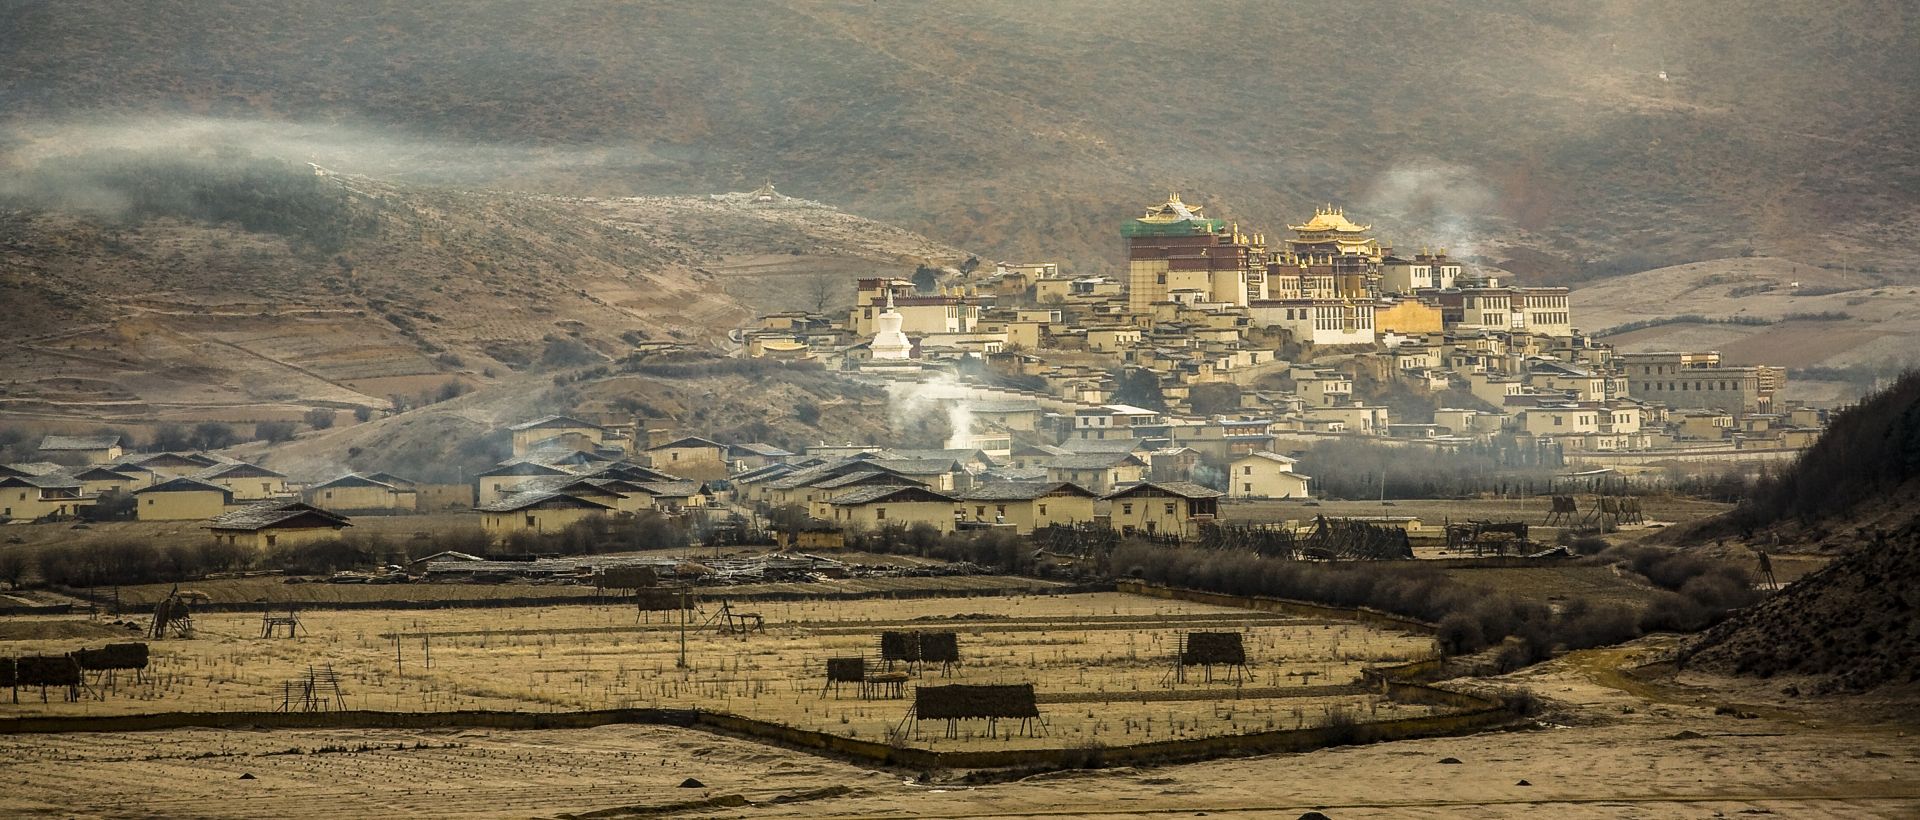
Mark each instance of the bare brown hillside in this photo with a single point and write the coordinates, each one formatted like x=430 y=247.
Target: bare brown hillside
x=1566 y=139
x=1836 y=330
x=112 y=318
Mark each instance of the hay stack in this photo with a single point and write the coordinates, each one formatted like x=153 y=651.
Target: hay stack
x=965 y=702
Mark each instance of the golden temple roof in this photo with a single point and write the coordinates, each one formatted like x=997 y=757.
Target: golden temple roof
x=1173 y=210
x=1330 y=218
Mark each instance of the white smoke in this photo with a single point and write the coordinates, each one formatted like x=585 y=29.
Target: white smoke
x=909 y=401
x=1443 y=204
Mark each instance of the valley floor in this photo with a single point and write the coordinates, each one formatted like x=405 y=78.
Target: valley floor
x=1612 y=745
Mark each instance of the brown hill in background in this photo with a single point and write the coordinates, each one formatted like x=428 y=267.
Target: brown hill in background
x=336 y=291
x=1567 y=139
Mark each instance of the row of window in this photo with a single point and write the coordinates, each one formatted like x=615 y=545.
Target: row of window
x=1699 y=385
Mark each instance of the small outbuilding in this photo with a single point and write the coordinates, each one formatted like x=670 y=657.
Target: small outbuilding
x=95 y=449
x=272 y=524
x=181 y=499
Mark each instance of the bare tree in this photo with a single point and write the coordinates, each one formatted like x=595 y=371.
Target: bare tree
x=821 y=289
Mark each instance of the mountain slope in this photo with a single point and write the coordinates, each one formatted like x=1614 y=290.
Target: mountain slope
x=143 y=314
x=1566 y=139
x=1851 y=626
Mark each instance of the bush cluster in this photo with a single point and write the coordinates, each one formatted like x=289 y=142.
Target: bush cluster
x=996 y=549
x=1695 y=592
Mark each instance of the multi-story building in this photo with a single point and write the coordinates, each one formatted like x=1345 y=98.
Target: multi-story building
x=1699 y=380
x=920 y=314
x=1318 y=321
x=1174 y=248
x=1425 y=271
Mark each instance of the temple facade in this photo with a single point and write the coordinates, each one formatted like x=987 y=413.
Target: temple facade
x=1176 y=254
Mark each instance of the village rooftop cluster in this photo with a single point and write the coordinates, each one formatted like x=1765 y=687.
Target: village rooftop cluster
x=1077 y=401
x=1202 y=303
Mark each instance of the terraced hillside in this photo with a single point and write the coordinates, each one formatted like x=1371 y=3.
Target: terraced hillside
x=1836 y=330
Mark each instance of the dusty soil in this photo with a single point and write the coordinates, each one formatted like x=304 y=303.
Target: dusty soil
x=1612 y=746
x=1100 y=664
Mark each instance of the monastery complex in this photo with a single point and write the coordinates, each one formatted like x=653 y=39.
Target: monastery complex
x=1213 y=325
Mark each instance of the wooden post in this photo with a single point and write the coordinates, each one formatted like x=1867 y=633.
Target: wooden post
x=682 y=663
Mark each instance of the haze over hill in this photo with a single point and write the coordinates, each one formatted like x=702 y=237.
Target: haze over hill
x=174 y=284
x=1565 y=139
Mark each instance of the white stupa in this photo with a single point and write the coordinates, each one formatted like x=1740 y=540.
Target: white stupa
x=889 y=344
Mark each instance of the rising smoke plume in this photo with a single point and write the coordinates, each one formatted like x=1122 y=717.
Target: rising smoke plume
x=1442 y=205
x=910 y=402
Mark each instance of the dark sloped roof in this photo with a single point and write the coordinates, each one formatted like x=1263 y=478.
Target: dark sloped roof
x=278 y=515
x=864 y=477
x=553 y=421
x=869 y=495
x=1015 y=474
x=948 y=454
x=689 y=441
x=392 y=480
x=79 y=442
x=352 y=480
x=915 y=466
x=524 y=468
x=754 y=448
x=671 y=489
x=1040 y=450
x=1088 y=446
x=546 y=501
x=631 y=471
x=1022 y=490
x=242 y=470
x=49 y=481
x=566 y=485
x=95 y=473
x=178 y=460
x=763 y=473
x=30 y=468
x=1184 y=489
x=1090 y=461
x=184 y=484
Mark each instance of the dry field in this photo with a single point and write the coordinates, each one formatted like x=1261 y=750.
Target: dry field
x=275 y=589
x=1613 y=748
x=1099 y=662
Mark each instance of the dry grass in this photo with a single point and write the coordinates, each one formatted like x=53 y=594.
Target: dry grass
x=1109 y=653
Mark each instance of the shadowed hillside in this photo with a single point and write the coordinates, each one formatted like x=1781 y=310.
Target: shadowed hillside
x=1567 y=140
x=1851 y=626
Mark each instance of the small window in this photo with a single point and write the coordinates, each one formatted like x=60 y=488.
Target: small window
x=1126 y=509
x=1169 y=508
x=880 y=514
x=1043 y=509
x=1248 y=470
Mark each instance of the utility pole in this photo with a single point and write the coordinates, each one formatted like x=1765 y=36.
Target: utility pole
x=682 y=663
